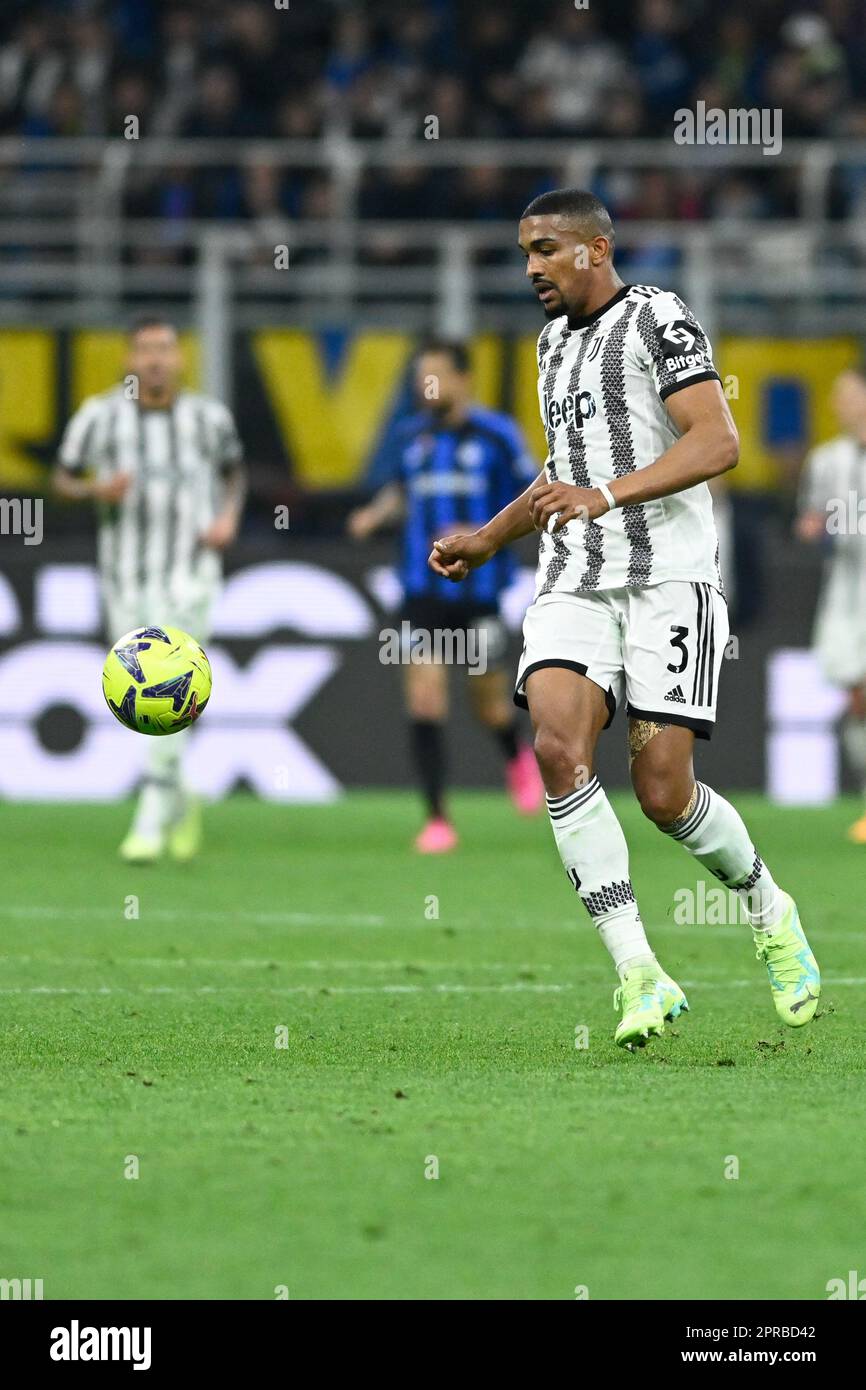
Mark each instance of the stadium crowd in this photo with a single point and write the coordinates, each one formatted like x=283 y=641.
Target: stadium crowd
x=251 y=68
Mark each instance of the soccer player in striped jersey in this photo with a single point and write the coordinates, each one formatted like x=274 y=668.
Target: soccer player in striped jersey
x=450 y=464
x=164 y=466
x=832 y=484
x=629 y=601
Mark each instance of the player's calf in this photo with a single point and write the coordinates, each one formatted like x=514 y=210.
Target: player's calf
x=712 y=831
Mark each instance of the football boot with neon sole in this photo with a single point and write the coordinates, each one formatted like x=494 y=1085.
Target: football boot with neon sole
x=141 y=849
x=671 y=998
x=637 y=995
x=795 y=980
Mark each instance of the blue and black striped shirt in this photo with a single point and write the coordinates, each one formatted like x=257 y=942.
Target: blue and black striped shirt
x=456 y=478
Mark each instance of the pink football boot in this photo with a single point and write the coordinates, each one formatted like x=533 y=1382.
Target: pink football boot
x=437 y=837
x=524 y=783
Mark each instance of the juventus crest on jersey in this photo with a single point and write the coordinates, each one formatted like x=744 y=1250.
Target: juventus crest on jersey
x=149 y=543
x=602 y=386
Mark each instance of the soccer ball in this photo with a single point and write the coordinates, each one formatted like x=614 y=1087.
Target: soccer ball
x=156 y=680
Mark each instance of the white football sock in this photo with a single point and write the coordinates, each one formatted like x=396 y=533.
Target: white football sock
x=594 y=853
x=161 y=799
x=713 y=831
x=154 y=810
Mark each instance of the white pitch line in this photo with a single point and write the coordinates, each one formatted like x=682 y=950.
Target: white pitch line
x=518 y=987
x=168 y=914
x=248 y=963
x=402 y=920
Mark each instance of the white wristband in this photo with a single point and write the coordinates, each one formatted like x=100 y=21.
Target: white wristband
x=608 y=495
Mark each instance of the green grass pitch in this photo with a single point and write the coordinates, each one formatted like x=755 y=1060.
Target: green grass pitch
x=413 y=1037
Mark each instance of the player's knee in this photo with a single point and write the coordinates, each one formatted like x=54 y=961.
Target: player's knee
x=426 y=700
x=427 y=710
x=560 y=760
x=661 y=800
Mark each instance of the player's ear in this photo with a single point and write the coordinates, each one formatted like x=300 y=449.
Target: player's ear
x=599 y=249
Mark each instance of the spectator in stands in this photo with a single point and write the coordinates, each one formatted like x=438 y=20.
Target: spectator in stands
x=217 y=113
x=447 y=99
x=131 y=94
x=736 y=64
x=242 y=68
x=493 y=47
x=660 y=62
x=181 y=46
x=807 y=78
x=412 y=47
x=31 y=66
x=577 y=65
x=90 y=64
x=254 y=51
x=263 y=205
x=373 y=108
x=62 y=113
x=351 y=53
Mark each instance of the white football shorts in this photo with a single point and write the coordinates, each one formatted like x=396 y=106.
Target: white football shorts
x=661 y=648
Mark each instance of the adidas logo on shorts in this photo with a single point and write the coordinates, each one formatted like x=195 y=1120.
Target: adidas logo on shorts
x=676 y=695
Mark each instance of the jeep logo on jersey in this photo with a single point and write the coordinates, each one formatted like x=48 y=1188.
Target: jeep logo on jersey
x=573 y=409
x=680 y=337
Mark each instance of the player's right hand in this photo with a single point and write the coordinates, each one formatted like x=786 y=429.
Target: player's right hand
x=113 y=489
x=454 y=556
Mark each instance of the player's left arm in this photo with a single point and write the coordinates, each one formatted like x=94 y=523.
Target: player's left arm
x=811 y=521
x=708 y=446
x=223 y=530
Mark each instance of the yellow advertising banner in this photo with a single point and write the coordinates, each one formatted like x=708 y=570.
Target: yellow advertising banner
x=328 y=420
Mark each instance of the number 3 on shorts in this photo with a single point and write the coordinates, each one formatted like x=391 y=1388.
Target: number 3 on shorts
x=679 y=641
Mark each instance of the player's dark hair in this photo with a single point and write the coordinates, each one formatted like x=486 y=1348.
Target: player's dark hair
x=144 y=321
x=578 y=203
x=451 y=347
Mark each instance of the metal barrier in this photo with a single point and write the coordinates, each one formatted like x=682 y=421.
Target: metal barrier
x=70 y=253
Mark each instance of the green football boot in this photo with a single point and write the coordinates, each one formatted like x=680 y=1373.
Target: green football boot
x=642 y=1016
x=184 y=837
x=141 y=849
x=671 y=998
x=794 y=976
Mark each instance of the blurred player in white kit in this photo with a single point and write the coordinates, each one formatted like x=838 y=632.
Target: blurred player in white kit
x=165 y=467
x=832 y=484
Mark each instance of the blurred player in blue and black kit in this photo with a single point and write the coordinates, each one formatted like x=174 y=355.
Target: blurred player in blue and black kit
x=447 y=465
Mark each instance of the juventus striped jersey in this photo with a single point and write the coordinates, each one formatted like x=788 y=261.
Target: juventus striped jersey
x=602 y=385
x=149 y=543
x=832 y=482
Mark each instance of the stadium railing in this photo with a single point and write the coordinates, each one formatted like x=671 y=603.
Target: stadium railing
x=70 y=253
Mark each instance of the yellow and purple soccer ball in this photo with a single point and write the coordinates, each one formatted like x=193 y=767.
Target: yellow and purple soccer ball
x=156 y=680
